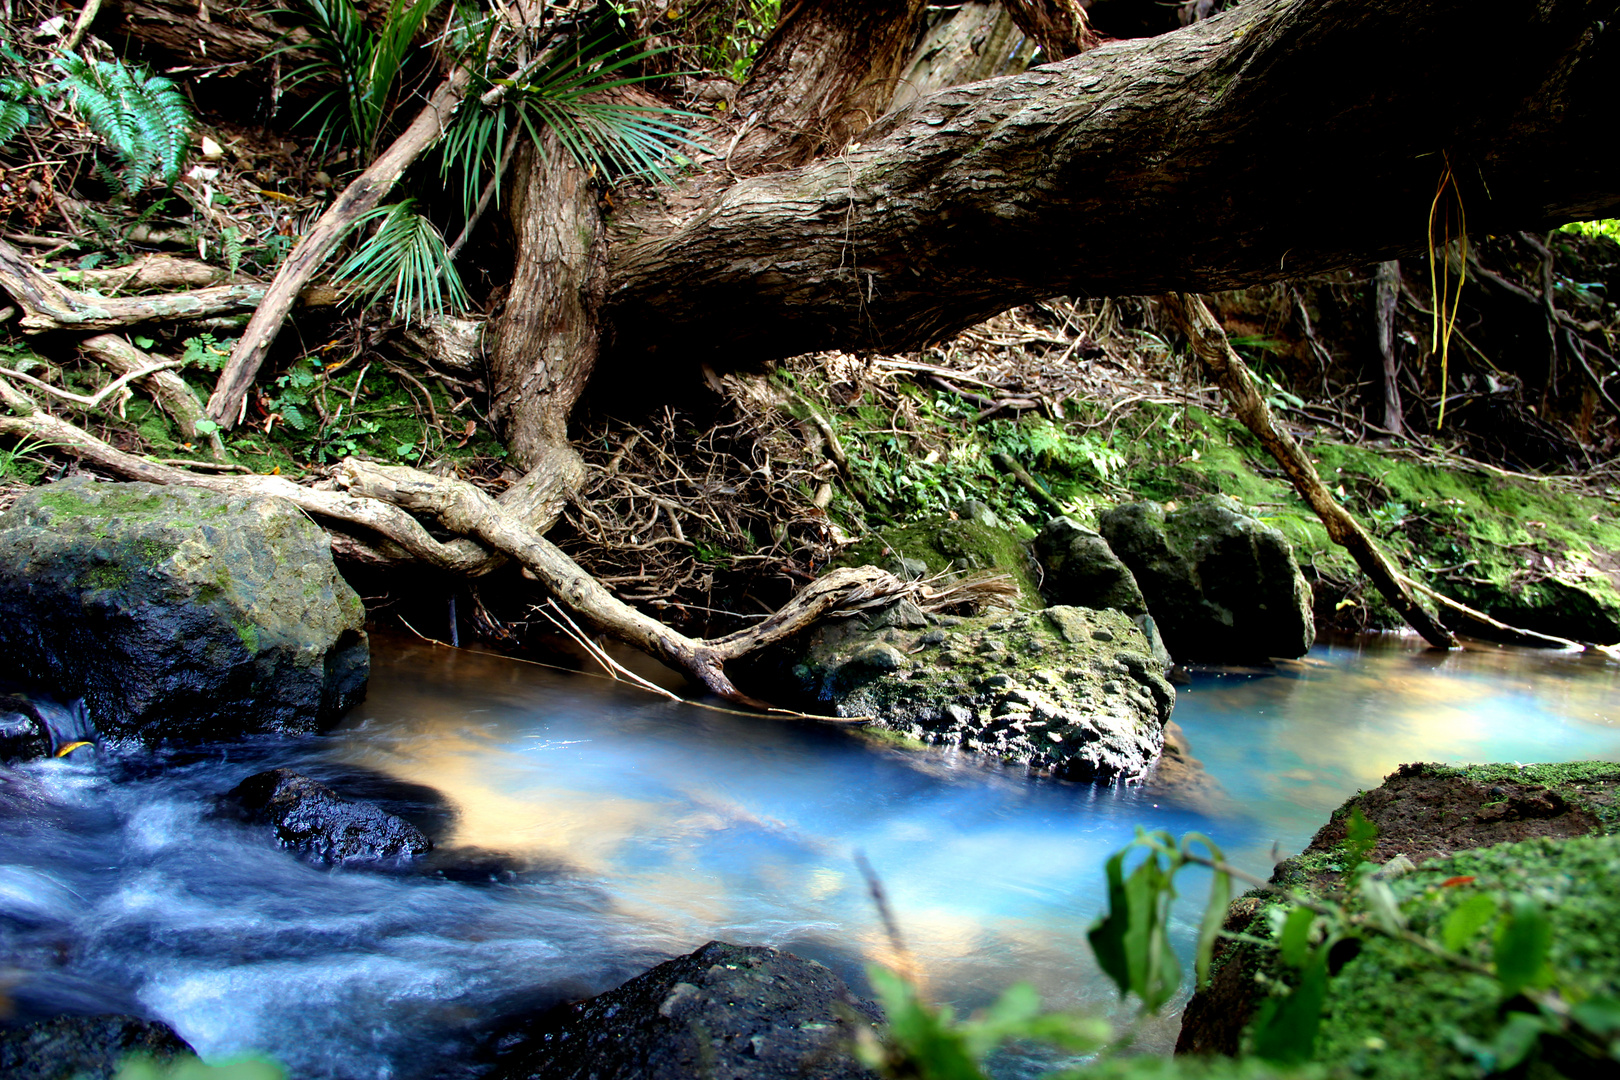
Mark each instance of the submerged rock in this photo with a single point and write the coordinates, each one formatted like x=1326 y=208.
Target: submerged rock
x=315 y=821
x=738 y=1012
x=1222 y=586
x=1067 y=691
x=178 y=613
x=84 y=1047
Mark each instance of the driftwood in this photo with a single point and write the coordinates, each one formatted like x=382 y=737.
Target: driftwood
x=1211 y=346
x=47 y=304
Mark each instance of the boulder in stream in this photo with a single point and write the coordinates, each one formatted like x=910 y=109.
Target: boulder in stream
x=315 y=821
x=84 y=1047
x=1067 y=691
x=1221 y=586
x=176 y=612
x=1083 y=571
x=732 y=1011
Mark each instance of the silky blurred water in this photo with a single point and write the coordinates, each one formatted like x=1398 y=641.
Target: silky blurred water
x=586 y=831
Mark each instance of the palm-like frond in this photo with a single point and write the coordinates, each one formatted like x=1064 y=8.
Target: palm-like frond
x=569 y=94
x=366 y=66
x=143 y=118
x=404 y=259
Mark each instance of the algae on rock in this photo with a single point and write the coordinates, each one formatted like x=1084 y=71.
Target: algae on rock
x=178 y=613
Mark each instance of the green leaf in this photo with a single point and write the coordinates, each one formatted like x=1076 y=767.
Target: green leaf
x=1220 y=897
x=1516 y=1039
x=1285 y=1030
x=1466 y=920
x=1107 y=935
x=143 y=342
x=206 y=426
x=1522 y=946
x=1294 y=942
x=1361 y=836
x=405 y=259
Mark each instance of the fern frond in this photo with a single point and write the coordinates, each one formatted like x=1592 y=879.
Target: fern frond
x=14 y=116
x=144 y=119
x=405 y=258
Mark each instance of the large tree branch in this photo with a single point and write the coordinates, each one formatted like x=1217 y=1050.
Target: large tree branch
x=1244 y=148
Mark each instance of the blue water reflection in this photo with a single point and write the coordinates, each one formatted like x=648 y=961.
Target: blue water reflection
x=616 y=829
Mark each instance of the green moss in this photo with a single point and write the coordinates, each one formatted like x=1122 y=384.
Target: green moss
x=116 y=503
x=248 y=633
x=154 y=552
x=106 y=576
x=946 y=544
x=1397 y=1013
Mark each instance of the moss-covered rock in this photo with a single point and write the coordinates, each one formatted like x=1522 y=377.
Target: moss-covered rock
x=1082 y=570
x=1066 y=691
x=1400 y=1014
x=178 y=613
x=1222 y=586
x=1396 y=1011
x=946 y=545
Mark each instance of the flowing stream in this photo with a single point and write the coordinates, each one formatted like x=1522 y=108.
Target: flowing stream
x=586 y=831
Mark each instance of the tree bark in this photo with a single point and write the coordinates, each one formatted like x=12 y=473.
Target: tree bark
x=828 y=70
x=546 y=338
x=1058 y=27
x=979 y=40
x=1241 y=149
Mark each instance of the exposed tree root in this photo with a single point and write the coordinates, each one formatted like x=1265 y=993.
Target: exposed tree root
x=377 y=497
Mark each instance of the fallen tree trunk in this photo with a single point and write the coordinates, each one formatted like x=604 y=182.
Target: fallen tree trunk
x=1244 y=148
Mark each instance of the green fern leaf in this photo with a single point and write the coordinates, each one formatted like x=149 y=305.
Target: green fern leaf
x=14 y=116
x=144 y=119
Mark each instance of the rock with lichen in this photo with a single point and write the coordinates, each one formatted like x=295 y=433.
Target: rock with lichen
x=1066 y=691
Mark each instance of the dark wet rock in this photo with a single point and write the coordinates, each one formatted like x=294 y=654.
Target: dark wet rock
x=317 y=822
x=726 y=1011
x=1066 y=691
x=1222 y=586
x=35 y=726
x=22 y=736
x=1083 y=571
x=89 y=1047
x=178 y=613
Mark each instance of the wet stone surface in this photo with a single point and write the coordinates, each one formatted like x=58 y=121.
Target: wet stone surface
x=1071 y=692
